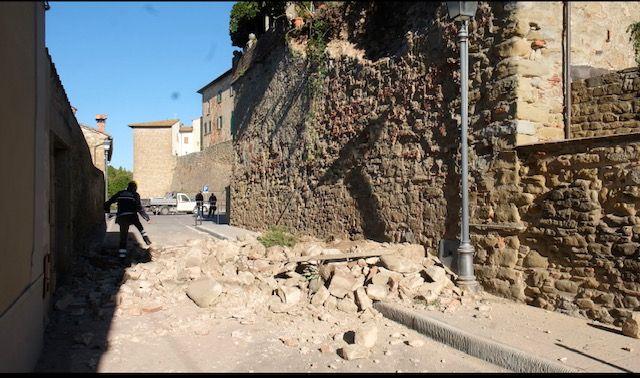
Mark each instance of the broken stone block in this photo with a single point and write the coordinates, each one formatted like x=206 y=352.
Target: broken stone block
x=341 y=284
x=436 y=273
x=366 y=335
x=245 y=278
x=347 y=305
x=290 y=295
x=362 y=299
x=377 y=292
x=229 y=270
x=353 y=352
x=204 y=292
x=631 y=326
x=331 y=302
x=276 y=253
x=225 y=251
x=411 y=283
x=314 y=285
x=412 y=252
x=320 y=296
x=431 y=291
x=399 y=264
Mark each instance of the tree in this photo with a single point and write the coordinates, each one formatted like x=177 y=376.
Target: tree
x=118 y=179
x=247 y=17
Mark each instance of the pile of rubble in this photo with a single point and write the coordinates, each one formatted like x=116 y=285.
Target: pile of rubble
x=344 y=275
x=328 y=281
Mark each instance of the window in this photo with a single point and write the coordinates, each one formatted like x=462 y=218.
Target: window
x=219 y=122
x=219 y=97
x=206 y=108
x=186 y=140
x=231 y=92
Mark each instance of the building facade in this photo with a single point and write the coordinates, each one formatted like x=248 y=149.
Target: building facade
x=53 y=192
x=217 y=110
x=96 y=138
x=154 y=159
x=185 y=139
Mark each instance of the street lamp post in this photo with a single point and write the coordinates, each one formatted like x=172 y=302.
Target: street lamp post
x=463 y=11
x=107 y=147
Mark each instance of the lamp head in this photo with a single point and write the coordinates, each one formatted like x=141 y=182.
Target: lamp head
x=462 y=10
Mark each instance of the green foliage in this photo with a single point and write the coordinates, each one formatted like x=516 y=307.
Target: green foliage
x=247 y=17
x=634 y=37
x=117 y=179
x=277 y=235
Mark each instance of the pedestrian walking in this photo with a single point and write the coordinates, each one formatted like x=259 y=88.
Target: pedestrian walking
x=212 y=204
x=129 y=206
x=199 y=202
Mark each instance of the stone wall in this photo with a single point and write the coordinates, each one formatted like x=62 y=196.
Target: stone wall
x=374 y=157
x=579 y=251
x=211 y=167
x=153 y=162
x=373 y=151
x=606 y=105
x=598 y=40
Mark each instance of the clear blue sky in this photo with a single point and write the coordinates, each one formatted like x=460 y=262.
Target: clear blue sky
x=137 y=61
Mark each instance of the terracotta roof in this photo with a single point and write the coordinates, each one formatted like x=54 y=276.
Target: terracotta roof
x=163 y=123
x=186 y=129
x=215 y=80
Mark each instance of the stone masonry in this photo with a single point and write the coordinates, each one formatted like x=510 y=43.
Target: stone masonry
x=373 y=152
x=606 y=105
x=153 y=162
x=211 y=167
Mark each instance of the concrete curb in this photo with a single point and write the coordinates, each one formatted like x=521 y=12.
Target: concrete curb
x=212 y=233
x=491 y=351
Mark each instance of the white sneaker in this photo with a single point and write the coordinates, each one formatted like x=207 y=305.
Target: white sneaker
x=122 y=252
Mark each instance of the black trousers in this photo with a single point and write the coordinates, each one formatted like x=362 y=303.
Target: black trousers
x=212 y=209
x=126 y=221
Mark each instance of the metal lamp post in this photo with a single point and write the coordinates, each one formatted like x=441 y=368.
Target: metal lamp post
x=107 y=147
x=463 y=11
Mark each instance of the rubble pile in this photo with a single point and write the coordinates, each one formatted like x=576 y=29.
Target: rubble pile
x=346 y=276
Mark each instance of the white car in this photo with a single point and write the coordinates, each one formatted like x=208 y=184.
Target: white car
x=173 y=203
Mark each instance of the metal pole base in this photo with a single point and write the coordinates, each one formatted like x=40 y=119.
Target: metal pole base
x=466 y=277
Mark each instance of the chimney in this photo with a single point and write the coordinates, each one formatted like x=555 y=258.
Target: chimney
x=101 y=120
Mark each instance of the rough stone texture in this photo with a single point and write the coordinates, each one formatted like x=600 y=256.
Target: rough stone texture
x=599 y=41
x=606 y=105
x=153 y=162
x=204 y=292
x=631 y=326
x=375 y=154
x=211 y=166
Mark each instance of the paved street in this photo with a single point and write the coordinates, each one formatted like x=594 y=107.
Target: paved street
x=181 y=337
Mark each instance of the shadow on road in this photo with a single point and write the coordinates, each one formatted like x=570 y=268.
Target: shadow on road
x=594 y=358
x=77 y=333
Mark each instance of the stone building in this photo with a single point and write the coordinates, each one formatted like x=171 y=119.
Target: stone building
x=365 y=142
x=217 y=110
x=53 y=192
x=154 y=160
x=96 y=138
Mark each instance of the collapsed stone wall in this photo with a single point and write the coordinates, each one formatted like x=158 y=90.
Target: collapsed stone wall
x=606 y=105
x=211 y=166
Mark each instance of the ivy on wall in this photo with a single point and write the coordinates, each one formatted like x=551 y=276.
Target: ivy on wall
x=634 y=37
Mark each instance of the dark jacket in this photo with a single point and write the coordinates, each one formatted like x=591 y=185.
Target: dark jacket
x=199 y=197
x=212 y=199
x=128 y=204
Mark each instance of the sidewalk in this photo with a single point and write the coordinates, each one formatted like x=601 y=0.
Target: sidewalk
x=500 y=325
x=224 y=231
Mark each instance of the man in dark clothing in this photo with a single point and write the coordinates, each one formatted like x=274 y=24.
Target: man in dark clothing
x=199 y=202
x=129 y=206
x=212 y=204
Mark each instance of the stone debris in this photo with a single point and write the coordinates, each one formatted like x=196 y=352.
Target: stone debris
x=631 y=326
x=313 y=282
